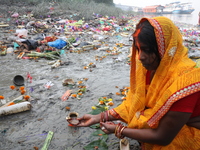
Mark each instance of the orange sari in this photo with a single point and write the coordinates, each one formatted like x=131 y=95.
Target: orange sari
x=175 y=78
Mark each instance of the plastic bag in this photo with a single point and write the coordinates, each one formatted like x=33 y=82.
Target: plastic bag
x=22 y=33
x=59 y=44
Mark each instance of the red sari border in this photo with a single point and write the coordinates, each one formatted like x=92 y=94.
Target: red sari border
x=173 y=98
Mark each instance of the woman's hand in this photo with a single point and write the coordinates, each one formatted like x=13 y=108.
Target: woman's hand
x=108 y=127
x=88 y=120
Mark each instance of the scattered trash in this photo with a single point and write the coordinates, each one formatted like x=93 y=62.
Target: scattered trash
x=47 y=140
x=66 y=95
x=48 y=85
x=56 y=64
x=18 y=80
x=21 y=33
x=59 y=43
x=16 y=108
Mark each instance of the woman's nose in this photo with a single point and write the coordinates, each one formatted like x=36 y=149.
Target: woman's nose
x=141 y=55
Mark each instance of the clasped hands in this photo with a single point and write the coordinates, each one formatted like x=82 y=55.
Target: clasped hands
x=88 y=120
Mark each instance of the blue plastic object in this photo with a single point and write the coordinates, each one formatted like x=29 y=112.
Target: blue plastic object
x=59 y=43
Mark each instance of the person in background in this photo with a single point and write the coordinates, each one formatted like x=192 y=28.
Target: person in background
x=162 y=109
x=199 y=18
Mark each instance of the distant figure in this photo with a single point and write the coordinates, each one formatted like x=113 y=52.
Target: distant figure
x=199 y=18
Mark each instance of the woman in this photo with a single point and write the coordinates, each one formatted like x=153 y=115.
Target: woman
x=162 y=110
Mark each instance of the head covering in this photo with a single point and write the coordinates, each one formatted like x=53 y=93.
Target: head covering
x=175 y=78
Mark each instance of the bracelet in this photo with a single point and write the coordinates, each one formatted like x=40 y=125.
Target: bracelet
x=104 y=116
x=118 y=130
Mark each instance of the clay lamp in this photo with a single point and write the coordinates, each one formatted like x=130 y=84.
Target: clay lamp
x=72 y=118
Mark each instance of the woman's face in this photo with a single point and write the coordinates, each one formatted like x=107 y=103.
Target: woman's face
x=148 y=59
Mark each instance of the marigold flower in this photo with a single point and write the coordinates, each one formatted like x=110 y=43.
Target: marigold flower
x=11 y=103
x=36 y=148
x=104 y=97
x=85 y=79
x=123 y=93
x=73 y=95
x=110 y=103
x=23 y=91
x=123 y=98
x=97 y=59
x=79 y=82
x=12 y=87
x=21 y=88
x=1 y=97
x=101 y=102
x=126 y=88
x=85 y=67
x=80 y=94
x=90 y=64
x=108 y=51
x=93 y=107
x=117 y=93
x=26 y=97
x=115 y=48
x=67 y=108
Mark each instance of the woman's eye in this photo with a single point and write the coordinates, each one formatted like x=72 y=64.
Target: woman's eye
x=146 y=51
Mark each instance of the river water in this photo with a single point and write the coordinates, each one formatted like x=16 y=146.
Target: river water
x=192 y=18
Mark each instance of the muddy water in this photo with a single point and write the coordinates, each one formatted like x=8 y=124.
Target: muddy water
x=25 y=130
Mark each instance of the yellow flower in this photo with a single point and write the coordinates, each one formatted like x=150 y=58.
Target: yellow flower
x=93 y=107
x=106 y=108
x=110 y=99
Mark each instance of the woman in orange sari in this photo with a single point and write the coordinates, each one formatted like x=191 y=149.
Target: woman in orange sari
x=162 y=109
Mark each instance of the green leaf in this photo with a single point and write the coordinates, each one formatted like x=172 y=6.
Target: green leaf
x=97 y=110
x=100 y=144
x=100 y=134
x=95 y=126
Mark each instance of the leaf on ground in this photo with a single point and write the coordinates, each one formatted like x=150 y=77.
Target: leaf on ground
x=100 y=134
x=98 y=145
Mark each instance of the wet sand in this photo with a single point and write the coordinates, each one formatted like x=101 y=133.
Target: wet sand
x=26 y=130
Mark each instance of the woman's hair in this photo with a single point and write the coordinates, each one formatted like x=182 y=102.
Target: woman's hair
x=146 y=35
